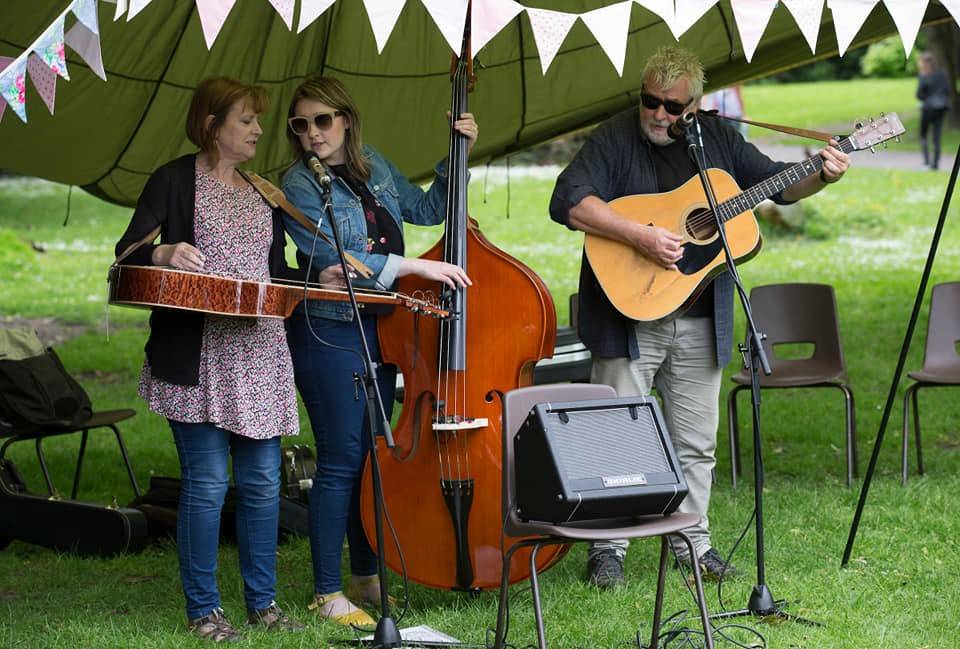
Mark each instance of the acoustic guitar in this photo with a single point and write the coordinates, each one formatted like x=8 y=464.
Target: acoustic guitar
x=158 y=286
x=641 y=289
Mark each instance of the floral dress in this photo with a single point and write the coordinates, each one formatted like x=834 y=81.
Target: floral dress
x=246 y=376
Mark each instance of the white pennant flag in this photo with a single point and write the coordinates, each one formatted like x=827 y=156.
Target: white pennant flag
x=87 y=44
x=488 y=17
x=807 y=14
x=86 y=12
x=664 y=9
x=611 y=26
x=121 y=9
x=383 y=15
x=907 y=16
x=752 y=17
x=285 y=9
x=550 y=28
x=213 y=13
x=848 y=17
x=136 y=6
x=310 y=10
x=953 y=6
x=689 y=12
x=450 y=16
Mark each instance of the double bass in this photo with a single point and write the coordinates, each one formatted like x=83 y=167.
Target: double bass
x=442 y=480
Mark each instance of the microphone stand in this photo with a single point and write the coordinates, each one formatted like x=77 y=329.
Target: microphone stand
x=387 y=636
x=761 y=603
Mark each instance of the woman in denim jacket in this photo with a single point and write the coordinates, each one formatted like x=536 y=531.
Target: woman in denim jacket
x=371 y=199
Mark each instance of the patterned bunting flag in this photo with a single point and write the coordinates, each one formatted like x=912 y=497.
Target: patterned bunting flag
x=550 y=28
x=13 y=85
x=86 y=12
x=49 y=47
x=4 y=62
x=44 y=80
x=213 y=13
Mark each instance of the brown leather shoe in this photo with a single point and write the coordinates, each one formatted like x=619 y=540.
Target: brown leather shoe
x=273 y=618
x=214 y=627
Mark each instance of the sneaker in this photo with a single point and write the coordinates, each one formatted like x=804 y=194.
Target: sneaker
x=214 y=627
x=605 y=569
x=273 y=618
x=712 y=566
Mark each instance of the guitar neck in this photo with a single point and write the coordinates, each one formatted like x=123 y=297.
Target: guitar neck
x=790 y=176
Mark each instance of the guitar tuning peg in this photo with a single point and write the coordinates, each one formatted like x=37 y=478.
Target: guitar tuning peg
x=873 y=149
x=859 y=125
x=897 y=138
x=883 y=116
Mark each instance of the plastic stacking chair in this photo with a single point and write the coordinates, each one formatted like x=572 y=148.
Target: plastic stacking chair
x=516 y=406
x=941 y=364
x=797 y=313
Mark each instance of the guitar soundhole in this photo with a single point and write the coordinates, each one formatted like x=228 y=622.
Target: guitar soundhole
x=700 y=225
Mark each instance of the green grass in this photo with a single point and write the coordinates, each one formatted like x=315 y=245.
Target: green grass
x=867 y=236
x=835 y=106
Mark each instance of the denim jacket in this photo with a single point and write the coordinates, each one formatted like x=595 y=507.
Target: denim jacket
x=402 y=199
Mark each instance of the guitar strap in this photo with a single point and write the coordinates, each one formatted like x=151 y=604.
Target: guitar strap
x=276 y=198
x=802 y=132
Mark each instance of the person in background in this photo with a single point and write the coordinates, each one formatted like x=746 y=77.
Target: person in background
x=933 y=91
x=225 y=384
x=728 y=102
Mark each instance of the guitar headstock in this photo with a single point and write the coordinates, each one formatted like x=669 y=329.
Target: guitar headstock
x=874 y=131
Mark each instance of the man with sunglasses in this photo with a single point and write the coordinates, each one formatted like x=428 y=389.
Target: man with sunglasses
x=634 y=153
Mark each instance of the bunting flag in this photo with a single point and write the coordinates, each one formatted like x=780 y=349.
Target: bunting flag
x=213 y=13
x=550 y=28
x=687 y=13
x=285 y=9
x=953 y=6
x=848 y=18
x=13 y=85
x=310 y=10
x=86 y=44
x=807 y=14
x=383 y=15
x=136 y=6
x=121 y=9
x=488 y=18
x=86 y=12
x=752 y=17
x=450 y=16
x=44 y=80
x=907 y=16
x=610 y=26
x=4 y=62
x=664 y=9
x=49 y=47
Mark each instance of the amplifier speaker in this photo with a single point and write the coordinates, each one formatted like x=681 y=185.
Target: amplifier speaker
x=592 y=460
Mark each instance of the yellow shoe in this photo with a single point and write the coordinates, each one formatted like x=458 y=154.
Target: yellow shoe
x=337 y=608
x=366 y=590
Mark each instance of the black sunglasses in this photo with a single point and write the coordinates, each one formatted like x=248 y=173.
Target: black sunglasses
x=323 y=121
x=651 y=102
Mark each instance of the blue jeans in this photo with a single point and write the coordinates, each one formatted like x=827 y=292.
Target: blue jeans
x=203 y=450
x=338 y=416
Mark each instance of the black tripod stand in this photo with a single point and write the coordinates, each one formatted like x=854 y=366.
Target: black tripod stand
x=761 y=603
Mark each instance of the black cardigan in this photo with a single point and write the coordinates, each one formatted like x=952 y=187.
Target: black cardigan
x=168 y=200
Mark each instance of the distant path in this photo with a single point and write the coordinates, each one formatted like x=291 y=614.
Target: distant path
x=889 y=158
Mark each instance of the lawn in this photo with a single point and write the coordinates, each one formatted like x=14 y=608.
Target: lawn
x=867 y=236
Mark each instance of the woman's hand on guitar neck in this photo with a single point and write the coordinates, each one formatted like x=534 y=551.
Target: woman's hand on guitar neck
x=178 y=255
x=661 y=245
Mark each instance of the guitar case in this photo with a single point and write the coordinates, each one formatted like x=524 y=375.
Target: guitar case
x=82 y=528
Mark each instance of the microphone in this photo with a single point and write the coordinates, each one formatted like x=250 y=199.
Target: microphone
x=677 y=129
x=312 y=162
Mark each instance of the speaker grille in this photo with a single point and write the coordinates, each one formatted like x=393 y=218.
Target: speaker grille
x=619 y=445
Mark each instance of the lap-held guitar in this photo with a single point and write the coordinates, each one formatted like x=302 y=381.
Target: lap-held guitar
x=641 y=289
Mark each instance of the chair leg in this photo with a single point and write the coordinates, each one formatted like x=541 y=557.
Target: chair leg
x=851 y=442
x=76 y=473
x=905 y=442
x=126 y=460
x=535 y=586
x=500 y=634
x=43 y=467
x=916 y=429
x=733 y=435
x=698 y=584
x=658 y=601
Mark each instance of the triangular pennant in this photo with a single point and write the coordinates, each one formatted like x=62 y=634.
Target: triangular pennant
x=953 y=6
x=907 y=16
x=687 y=13
x=488 y=18
x=848 y=17
x=663 y=8
x=3 y=108
x=87 y=44
x=450 y=16
x=86 y=12
x=121 y=9
x=610 y=26
x=807 y=14
x=752 y=17
x=213 y=13
x=44 y=80
x=4 y=62
x=549 y=30
x=285 y=9
x=310 y=10
x=135 y=7
x=383 y=15
x=49 y=47
x=13 y=85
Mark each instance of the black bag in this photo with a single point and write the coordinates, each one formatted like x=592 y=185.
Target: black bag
x=35 y=389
